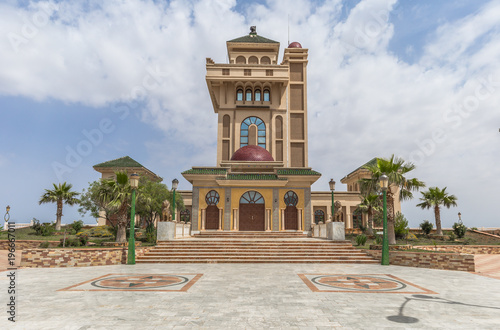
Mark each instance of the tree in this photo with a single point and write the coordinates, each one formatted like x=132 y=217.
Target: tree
x=153 y=194
x=95 y=200
x=370 y=204
x=396 y=169
x=61 y=194
x=434 y=198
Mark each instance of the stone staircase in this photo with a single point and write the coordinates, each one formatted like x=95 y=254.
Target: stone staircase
x=254 y=247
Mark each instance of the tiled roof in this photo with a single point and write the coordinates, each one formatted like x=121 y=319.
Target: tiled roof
x=217 y=171
x=251 y=177
x=120 y=162
x=369 y=163
x=254 y=38
x=297 y=172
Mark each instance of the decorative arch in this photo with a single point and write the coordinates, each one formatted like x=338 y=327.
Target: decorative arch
x=261 y=132
x=212 y=197
x=239 y=94
x=253 y=60
x=265 y=60
x=267 y=95
x=291 y=198
x=241 y=60
x=252 y=197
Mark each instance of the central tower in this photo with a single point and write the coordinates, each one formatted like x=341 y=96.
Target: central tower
x=261 y=181
x=260 y=102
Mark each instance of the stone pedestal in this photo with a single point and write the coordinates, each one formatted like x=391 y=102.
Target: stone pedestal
x=165 y=231
x=335 y=231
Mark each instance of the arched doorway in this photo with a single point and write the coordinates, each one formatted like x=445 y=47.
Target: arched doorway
x=212 y=211
x=252 y=212
x=291 y=214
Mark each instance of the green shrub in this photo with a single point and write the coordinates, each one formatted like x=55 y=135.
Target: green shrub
x=151 y=233
x=400 y=225
x=77 y=225
x=361 y=239
x=44 y=245
x=426 y=227
x=378 y=239
x=459 y=229
x=452 y=236
x=47 y=229
x=36 y=226
x=473 y=228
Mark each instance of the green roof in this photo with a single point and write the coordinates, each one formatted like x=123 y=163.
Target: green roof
x=297 y=172
x=369 y=163
x=120 y=162
x=251 y=177
x=254 y=38
x=217 y=171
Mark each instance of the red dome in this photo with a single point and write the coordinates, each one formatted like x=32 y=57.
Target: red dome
x=253 y=154
x=295 y=44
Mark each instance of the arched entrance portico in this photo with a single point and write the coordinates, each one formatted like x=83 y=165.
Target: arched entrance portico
x=212 y=211
x=252 y=212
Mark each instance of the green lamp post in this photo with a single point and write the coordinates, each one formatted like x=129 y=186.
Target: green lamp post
x=175 y=184
x=332 y=188
x=134 y=183
x=384 y=184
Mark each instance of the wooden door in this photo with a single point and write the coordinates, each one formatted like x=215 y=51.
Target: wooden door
x=212 y=217
x=252 y=217
x=291 y=218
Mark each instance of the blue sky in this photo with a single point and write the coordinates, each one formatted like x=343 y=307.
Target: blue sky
x=420 y=79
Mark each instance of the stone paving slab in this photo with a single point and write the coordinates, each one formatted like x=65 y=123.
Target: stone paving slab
x=251 y=296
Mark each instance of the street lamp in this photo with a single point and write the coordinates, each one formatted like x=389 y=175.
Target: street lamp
x=332 y=188
x=459 y=217
x=6 y=217
x=134 y=183
x=175 y=184
x=384 y=184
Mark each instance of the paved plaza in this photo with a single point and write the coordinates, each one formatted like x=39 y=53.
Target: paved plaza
x=252 y=296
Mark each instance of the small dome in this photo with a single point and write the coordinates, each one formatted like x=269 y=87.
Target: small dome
x=295 y=44
x=253 y=154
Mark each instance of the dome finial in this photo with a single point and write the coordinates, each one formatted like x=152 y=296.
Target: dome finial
x=253 y=30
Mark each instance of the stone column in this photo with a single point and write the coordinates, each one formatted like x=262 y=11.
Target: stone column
x=203 y=217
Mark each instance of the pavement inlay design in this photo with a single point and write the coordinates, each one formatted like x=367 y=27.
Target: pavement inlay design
x=138 y=282
x=370 y=283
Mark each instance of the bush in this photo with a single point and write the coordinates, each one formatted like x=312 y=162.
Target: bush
x=47 y=229
x=36 y=226
x=452 y=236
x=378 y=239
x=400 y=225
x=426 y=227
x=151 y=233
x=44 y=245
x=361 y=239
x=77 y=225
x=473 y=228
x=459 y=229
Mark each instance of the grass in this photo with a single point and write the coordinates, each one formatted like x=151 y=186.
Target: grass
x=470 y=238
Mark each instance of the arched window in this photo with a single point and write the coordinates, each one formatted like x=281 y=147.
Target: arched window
x=239 y=95
x=261 y=132
x=265 y=60
x=212 y=198
x=257 y=95
x=319 y=216
x=248 y=95
x=291 y=198
x=185 y=215
x=267 y=95
x=253 y=60
x=241 y=60
x=251 y=197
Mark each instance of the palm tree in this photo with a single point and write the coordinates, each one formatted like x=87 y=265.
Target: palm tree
x=436 y=197
x=61 y=194
x=395 y=168
x=370 y=204
x=117 y=194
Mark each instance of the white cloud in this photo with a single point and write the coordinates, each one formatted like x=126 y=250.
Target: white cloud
x=363 y=101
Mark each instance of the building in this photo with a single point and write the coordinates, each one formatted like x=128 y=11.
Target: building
x=262 y=179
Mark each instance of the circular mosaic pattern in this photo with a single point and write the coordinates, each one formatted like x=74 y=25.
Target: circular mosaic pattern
x=359 y=283
x=139 y=282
